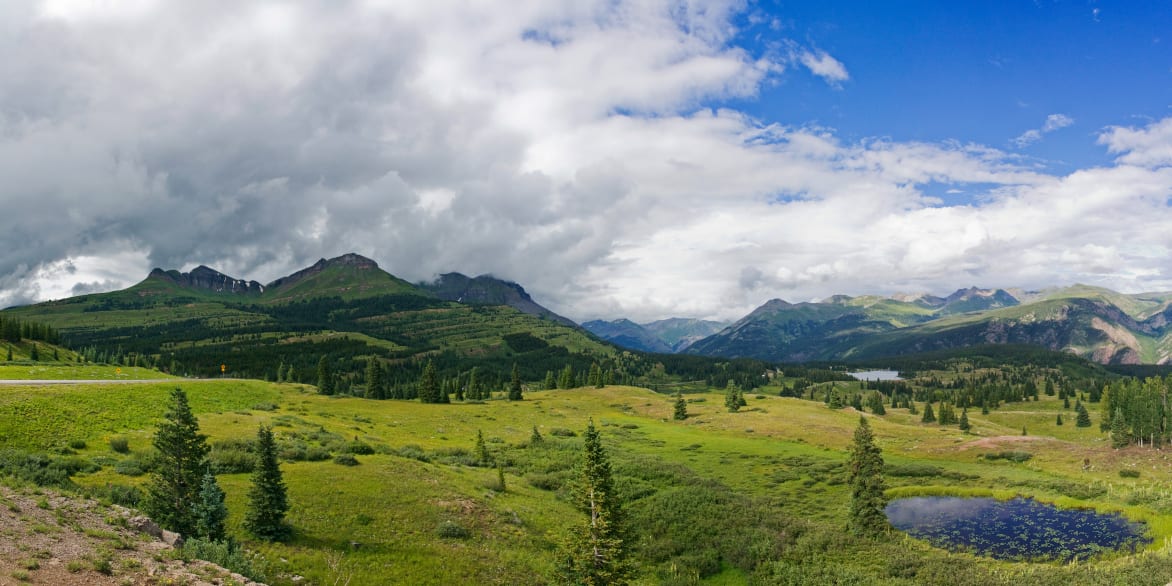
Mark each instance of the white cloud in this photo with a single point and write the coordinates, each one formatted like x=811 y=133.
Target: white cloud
x=823 y=65
x=566 y=146
x=1053 y=122
x=1149 y=146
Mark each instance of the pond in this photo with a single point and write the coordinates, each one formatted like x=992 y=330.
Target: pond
x=876 y=375
x=1017 y=529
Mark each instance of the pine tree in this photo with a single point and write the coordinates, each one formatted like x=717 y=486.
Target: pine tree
x=681 y=408
x=500 y=477
x=515 y=384
x=33 y=354
x=929 y=416
x=267 y=500
x=985 y=408
x=1084 y=417
x=474 y=385
x=732 y=399
x=375 y=388
x=595 y=553
x=1066 y=402
x=566 y=380
x=210 y=511
x=174 y=485
x=865 y=478
x=1119 y=434
x=290 y=375
x=594 y=379
x=1059 y=420
x=947 y=414
x=550 y=382
x=964 y=420
x=875 y=403
x=535 y=437
x=280 y=370
x=429 y=391
x=10 y=353
x=325 y=377
x=482 y=449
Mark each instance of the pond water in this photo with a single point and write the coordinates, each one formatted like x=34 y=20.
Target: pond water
x=1017 y=529
x=876 y=375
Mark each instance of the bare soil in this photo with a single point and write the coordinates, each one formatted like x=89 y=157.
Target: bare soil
x=50 y=538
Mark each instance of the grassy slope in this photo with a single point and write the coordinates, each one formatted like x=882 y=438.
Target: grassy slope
x=789 y=450
x=342 y=281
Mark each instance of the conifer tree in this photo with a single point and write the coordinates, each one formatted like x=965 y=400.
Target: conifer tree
x=985 y=407
x=325 y=377
x=1119 y=434
x=374 y=379
x=947 y=414
x=280 y=370
x=681 y=408
x=33 y=354
x=290 y=375
x=515 y=384
x=459 y=390
x=964 y=420
x=595 y=553
x=1084 y=417
x=865 y=477
x=732 y=399
x=535 y=437
x=594 y=379
x=482 y=449
x=566 y=380
x=174 y=485
x=474 y=385
x=609 y=377
x=1059 y=420
x=875 y=403
x=929 y=416
x=550 y=382
x=10 y=353
x=429 y=391
x=210 y=511
x=267 y=500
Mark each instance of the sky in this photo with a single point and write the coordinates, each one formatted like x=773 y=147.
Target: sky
x=618 y=158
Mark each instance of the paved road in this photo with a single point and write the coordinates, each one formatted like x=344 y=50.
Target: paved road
x=123 y=381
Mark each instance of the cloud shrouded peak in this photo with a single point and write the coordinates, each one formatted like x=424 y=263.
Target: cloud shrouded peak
x=592 y=151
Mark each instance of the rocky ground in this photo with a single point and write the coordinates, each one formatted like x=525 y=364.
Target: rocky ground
x=49 y=538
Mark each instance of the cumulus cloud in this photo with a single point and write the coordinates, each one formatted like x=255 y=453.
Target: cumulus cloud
x=1053 y=122
x=823 y=65
x=570 y=147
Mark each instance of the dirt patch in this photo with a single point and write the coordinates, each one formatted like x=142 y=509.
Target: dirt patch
x=999 y=441
x=49 y=538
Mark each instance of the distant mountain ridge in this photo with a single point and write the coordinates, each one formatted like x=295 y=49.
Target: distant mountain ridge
x=664 y=336
x=1098 y=324
x=208 y=279
x=489 y=290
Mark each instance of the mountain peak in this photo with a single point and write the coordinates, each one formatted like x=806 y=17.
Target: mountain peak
x=489 y=290
x=207 y=279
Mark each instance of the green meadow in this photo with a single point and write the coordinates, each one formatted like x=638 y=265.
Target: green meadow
x=757 y=496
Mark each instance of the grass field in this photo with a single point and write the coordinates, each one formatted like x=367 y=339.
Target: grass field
x=716 y=498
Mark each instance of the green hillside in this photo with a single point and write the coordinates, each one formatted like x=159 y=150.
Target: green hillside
x=755 y=497
x=346 y=309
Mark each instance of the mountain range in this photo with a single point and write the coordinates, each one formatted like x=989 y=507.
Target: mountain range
x=1094 y=323
x=196 y=316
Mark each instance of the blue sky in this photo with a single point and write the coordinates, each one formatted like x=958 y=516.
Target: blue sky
x=618 y=158
x=984 y=72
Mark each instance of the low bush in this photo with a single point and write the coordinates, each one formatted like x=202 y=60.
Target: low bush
x=1127 y=473
x=227 y=554
x=1011 y=455
x=452 y=530
x=120 y=444
x=346 y=460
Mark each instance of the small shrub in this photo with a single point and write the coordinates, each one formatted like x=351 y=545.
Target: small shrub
x=451 y=530
x=359 y=448
x=346 y=460
x=130 y=467
x=120 y=444
x=264 y=407
x=562 y=432
x=1127 y=473
x=629 y=426
x=31 y=564
x=21 y=575
x=127 y=496
x=74 y=566
x=1011 y=455
x=542 y=481
x=316 y=454
x=77 y=444
x=413 y=452
x=227 y=554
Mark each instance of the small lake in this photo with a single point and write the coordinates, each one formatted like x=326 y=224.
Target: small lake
x=1017 y=529
x=876 y=375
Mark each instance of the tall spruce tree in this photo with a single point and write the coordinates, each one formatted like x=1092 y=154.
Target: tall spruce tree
x=865 y=477
x=929 y=416
x=375 y=388
x=515 y=384
x=267 y=500
x=1120 y=438
x=566 y=380
x=595 y=553
x=732 y=399
x=210 y=511
x=174 y=486
x=1084 y=417
x=681 y=408
x=429 y=391
x=473 y=392
x=325 y=376
x=549 y=384
x=964 y=420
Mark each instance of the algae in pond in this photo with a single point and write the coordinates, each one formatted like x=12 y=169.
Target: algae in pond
x=1017 y=529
